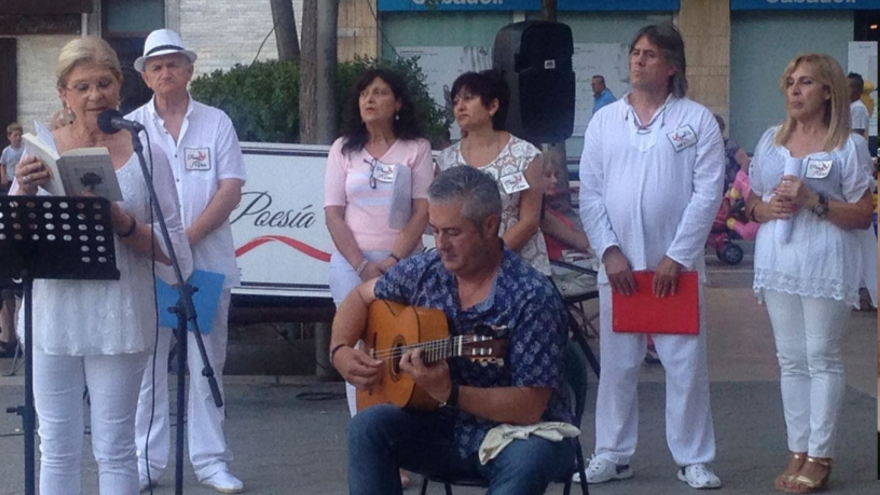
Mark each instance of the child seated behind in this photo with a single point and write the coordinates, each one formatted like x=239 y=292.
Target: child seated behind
x=561 y=231
x=740 y=189
x=11 y=155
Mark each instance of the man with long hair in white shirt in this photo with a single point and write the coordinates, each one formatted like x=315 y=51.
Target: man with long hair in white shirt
x=651 y=176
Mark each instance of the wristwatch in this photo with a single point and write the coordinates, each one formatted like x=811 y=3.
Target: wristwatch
x=821 y=208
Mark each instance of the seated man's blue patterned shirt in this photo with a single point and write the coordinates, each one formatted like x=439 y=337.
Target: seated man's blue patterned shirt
x=523 y=300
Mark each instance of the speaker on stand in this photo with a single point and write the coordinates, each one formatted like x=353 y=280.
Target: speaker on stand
x=535 y=59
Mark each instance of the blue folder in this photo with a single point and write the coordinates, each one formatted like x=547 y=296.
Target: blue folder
x=210 y=287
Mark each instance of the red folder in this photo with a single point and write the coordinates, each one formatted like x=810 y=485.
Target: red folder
x=643 y=312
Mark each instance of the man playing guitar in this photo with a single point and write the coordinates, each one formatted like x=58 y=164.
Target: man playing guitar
x=482 y=287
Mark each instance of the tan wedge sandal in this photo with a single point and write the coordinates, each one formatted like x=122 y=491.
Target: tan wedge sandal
x=803 y=484
x=796 y=461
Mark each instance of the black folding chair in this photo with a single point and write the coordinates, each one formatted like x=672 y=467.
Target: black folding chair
x=576 y=382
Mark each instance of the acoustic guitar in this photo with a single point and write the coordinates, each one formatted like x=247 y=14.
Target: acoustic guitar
x=394 y=329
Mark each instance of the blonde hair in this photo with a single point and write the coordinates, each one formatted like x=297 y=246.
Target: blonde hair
x=827 y=72
x=86 y=49
x=14 y=127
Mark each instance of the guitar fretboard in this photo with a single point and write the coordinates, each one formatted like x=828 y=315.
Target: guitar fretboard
x=438 y=350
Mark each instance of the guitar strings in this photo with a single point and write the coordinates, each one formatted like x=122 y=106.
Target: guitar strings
x=431 y=349
x=427 y=347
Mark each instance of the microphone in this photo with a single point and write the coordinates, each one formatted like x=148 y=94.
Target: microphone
x=110 y=122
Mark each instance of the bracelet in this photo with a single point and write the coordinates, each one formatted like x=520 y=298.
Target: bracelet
x=751 y=215
x=452 y=400
x=336 y=348
x=391 y=255
x=131 y=227
x=360 y=269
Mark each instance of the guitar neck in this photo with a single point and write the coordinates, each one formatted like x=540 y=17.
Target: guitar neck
x=438 y=350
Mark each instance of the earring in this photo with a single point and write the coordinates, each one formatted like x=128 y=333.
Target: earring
x=67 y=115
x=396 y=116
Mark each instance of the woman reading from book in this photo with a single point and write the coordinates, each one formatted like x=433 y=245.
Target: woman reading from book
x=91 y=333
x=380 y=165
x=810 y=195
x=481 y=101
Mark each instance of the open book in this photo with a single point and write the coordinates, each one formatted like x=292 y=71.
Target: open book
x=76 y=172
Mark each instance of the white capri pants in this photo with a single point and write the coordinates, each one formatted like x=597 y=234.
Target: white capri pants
x=59 y=385
x=343 y=280
x=808 y=332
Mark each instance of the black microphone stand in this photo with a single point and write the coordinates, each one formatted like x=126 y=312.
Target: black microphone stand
x=186 y=315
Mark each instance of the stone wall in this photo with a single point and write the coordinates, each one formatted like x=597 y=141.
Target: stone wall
x=705 y=27
x=37 y=97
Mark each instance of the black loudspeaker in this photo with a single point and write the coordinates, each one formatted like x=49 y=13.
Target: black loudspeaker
x=535 y=59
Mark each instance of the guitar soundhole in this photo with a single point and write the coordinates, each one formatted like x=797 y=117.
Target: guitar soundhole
x=397 y=350
x=396 y=355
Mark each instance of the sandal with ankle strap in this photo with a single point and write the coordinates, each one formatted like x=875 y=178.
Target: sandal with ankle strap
x=782 y=482
x=802 y=484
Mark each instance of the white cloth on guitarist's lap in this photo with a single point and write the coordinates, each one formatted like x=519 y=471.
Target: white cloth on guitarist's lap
x=500 y=437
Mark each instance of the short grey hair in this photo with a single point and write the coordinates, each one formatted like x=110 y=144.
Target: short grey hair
x=600 y=78
x=667 y=38
x=475 y=189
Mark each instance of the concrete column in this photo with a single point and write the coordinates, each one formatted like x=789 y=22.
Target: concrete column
x=172 y=16
x=323 y=368
x=705 y=27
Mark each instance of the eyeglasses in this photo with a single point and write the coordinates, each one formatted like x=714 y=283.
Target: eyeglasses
x=83 y=87
x=372 y=163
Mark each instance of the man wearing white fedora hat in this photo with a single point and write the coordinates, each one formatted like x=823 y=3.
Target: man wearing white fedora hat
x=205 y=156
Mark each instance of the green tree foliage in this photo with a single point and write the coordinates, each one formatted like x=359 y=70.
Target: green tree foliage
x=263 y=99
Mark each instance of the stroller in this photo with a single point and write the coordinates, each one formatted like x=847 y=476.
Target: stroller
x=731 y=223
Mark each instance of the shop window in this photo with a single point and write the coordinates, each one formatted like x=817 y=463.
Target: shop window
x=125 y=25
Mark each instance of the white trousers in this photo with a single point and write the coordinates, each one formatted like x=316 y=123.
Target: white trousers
x=205 y=439
x=343 y=280
x=59 y=385
x=808 y=334
x=690 y=433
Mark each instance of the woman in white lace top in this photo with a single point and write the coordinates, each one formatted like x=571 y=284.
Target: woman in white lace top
x=481 y=101
x=97 y=334
x=810 y=195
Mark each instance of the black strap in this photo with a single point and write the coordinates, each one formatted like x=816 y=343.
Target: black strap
x=163 y=47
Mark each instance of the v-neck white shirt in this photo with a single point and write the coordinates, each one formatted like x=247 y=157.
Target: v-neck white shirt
x=206 y=152
x=644 y=191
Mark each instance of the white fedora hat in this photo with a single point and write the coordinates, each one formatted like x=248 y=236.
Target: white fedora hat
x=162 y=42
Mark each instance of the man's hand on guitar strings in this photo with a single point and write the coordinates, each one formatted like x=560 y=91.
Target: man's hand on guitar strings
x=433 y=379
x=357 y=367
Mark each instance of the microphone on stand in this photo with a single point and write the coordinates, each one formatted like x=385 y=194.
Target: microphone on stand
x=111 y=121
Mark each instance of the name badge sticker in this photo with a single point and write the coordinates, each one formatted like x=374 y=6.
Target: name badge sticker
x=198 y=158
x=383 y=172
x=514 y=183
x=819 y=169
x=682 y=138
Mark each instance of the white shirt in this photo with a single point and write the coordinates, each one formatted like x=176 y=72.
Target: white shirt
x=859 y=115
x=9 y=158
x=113 y=317
x=642 y=194
x=206 y=152
x=820 y=260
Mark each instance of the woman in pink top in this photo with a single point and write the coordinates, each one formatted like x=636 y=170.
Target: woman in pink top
x=365 y=187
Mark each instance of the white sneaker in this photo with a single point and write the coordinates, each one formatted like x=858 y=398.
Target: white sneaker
x=699 y=476
x=601 y=470
x=224 y=482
